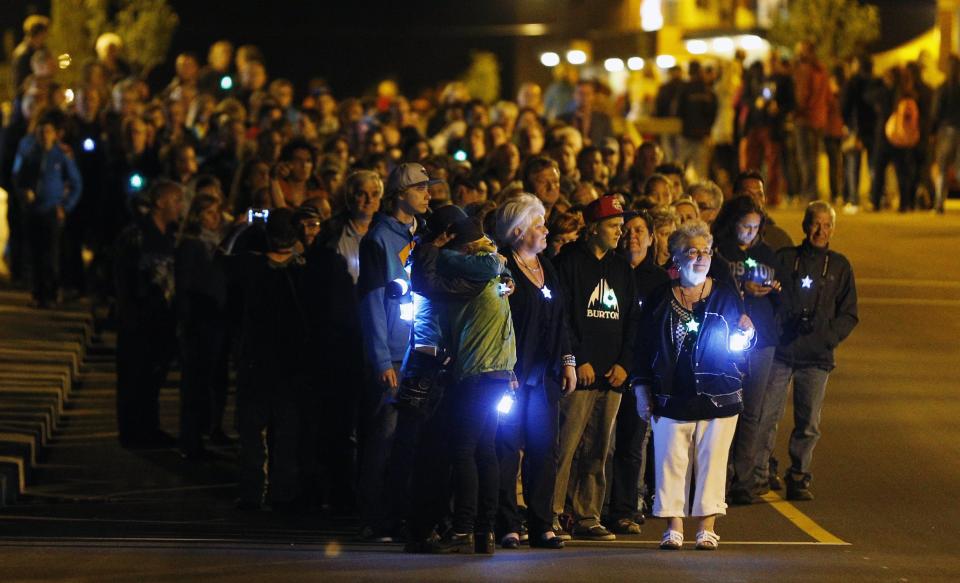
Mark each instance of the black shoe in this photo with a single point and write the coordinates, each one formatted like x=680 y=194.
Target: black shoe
x=743 y=498
x=524 y=532
x=219 y=438
x=510 y=542
x=539 y=542
x=595 y=532
x=775 y=482
x=248 y=505
x=799 y=489
x=452 y=542
x=484 y=543
x=152 y=440
x=419 y=545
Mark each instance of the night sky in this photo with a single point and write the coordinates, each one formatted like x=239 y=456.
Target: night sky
x=354 y=44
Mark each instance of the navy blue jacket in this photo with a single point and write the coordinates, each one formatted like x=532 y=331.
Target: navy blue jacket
x=52 y=175
x=714 y=365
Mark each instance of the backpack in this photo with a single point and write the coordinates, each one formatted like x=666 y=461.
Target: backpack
x=903 y=126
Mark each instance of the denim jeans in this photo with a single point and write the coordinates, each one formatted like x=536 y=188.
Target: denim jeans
x=473 y=452
x=586 y=415
x=809 y=390
x=748 y=439
x=808 y=150
x=852 y=162
x=947 y=155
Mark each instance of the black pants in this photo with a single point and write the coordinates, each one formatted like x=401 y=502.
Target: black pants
x=430 y=481
x=73 y=273
x=633 y=434
x=201 y=352
x=270 y=422
x=474 y=454
x=904 y=161
x=44 y=231
x=144 y=353
x=335 y=475
x=532 y=427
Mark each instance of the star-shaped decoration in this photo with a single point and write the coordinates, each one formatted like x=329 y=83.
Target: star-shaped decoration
x=750 y=262
x=546 y=292
x=806 y=282
x=693 y=326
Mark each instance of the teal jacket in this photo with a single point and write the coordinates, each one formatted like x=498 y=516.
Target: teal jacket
x=481 y=333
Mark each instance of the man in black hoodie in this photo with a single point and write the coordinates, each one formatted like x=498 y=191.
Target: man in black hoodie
x=600 y=291
x=819 y=311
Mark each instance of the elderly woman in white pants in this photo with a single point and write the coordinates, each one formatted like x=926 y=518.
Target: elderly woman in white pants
x=691 y=340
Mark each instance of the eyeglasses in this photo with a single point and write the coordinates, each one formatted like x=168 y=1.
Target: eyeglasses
x=694 y=253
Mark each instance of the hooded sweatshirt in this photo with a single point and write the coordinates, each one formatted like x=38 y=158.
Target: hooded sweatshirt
x=383 y=257
x=602 y=308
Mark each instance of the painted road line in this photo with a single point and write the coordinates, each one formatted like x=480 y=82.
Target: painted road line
x=908 y=302
x=895 y=282
x=348 y=544
x=802 y=521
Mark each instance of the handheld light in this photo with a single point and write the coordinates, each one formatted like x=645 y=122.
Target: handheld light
x=89 y=145
x=740 y=340
x=506 y=403
x=226 y=83
x=136 y=181
x=460 y=155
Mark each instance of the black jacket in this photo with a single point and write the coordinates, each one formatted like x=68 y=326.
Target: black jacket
x=759 y=263
x=817 y=283
x=714 y=366
x=540 y=325
x=601 y=308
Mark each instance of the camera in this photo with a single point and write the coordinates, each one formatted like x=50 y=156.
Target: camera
x=802 y=321
x=423 y=381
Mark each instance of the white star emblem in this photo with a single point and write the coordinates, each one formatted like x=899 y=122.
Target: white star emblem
x=546 y=292
x=806 y=282
x=693 y=326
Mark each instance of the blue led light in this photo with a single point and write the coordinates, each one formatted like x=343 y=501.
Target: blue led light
x=750 y=262
x=460 y=155
x=693 y=326
x=136 y=181
x=226 y=83
x=89 y=145
x=407 y=311
x=546 y=292
x=506 y=403
x=806 y=282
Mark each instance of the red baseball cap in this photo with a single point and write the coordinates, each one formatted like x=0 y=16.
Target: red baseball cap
x=605 y=207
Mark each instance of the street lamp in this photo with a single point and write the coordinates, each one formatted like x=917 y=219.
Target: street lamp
x=666 y=61
x=576 y=57
x=550 y=59
x=696 y=47
x=613 y=65
x=635 y=63
x=651 y=15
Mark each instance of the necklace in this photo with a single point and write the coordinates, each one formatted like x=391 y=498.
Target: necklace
x=533 y=273
x=686 y=302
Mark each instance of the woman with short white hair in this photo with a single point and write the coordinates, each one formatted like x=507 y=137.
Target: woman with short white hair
x=545 y=370
x=689 y=346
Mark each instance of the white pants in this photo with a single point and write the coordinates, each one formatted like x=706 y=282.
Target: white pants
x=704 y=443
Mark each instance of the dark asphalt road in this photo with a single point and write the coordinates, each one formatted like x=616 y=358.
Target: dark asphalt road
x=886 y=474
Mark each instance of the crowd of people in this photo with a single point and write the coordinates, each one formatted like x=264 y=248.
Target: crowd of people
x=472 y=325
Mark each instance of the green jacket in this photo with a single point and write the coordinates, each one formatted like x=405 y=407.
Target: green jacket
x=481 y=331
